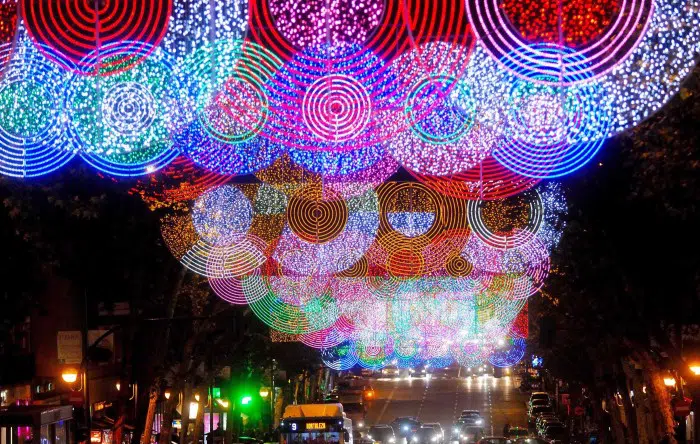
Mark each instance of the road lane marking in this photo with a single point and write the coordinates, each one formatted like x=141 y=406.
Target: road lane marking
x=386 y=405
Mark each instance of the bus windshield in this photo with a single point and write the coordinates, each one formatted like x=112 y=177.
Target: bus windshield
x=311 y=438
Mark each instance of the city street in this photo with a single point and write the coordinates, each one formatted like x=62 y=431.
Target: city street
x=441 y=399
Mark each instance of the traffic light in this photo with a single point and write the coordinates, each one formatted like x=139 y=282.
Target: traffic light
x=246 y=400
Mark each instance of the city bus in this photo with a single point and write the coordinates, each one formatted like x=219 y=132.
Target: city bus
x=315 y=424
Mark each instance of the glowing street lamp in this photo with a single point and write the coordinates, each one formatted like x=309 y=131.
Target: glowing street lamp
x=69 y=375
x=264 y=392
x=167 y=394
x=669 y=381
x=695 y=368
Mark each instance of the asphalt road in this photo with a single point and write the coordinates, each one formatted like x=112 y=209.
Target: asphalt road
x=442 y=398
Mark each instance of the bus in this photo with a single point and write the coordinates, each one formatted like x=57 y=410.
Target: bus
x=315 y=424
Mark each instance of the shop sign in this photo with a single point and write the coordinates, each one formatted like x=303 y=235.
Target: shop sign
x=96 y=436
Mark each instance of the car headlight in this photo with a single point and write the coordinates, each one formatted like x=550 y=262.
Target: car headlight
x=360 y=424
x=415 y=438
x=455 y=430
x=479 y=421
x=392 y=439
x=405 y=428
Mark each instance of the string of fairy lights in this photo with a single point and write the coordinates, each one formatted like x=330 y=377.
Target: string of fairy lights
x=267 y=134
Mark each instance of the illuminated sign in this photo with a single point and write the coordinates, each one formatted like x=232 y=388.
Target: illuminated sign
x=315 y=426
x=95 y=436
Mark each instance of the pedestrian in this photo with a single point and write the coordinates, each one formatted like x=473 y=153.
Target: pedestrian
x=506 y=430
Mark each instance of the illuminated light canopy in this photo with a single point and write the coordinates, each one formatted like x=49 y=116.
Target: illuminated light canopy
x=508 y=223
x=228 y=107
x=341 y=356
x=596 y=57
x=579 y=22
x=33 y=136
x=551 y=131
x=326 y=234
x=654 y=72
x=447 y=124
x=509 y=354
x=123 y=122
x=8 y=20
x=222 y=214
x=194 y=24
x=326 y=98
x=307 y=23
x=74 y=30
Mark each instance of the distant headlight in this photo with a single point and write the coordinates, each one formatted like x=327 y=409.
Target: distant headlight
x=392 y=439
x=455 y=430
x=479 y=421
x=360 y=424
x=415 y=438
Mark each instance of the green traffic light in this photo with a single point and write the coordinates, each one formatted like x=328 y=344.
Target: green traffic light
x=246 y=400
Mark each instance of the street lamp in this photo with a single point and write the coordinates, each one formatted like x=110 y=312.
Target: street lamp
x=669 y=381
x=695 y=368
x=167 y=394
x=69 y=375
x=264 y=392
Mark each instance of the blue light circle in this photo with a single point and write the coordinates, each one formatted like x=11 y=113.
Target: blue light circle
x=34 y=87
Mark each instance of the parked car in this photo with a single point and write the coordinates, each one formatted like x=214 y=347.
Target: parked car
x=558 y=432
x=539 y=396
x=518 y=432
x=531 y=441
x=382 y=433
x=534 y=412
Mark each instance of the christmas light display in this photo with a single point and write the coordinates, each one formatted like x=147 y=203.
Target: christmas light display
x=222 y=214
x=74 y=30
x=33 y=136
x=306 y=23
x=442 y=131
x=336 y=89
x=323 y=103
x=8 y=20
x=591 y=58
x=122 y=122
x=507 y=231
x=228 y=107
x=654 y=72
x=552 y=130
x=196 y=23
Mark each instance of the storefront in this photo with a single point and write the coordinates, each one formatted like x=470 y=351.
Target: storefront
x=36 y=425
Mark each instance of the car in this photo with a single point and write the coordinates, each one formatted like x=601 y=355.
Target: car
x=426 y=435
x=358 y=438
x=437 y=427
x=390 y=371
x=405 y=426
x=535 y=411
x=467 y=434
x=494 y=440
x=558 y=432
x=531 y=441
x=518 y=432
x=539 y=402
x=539 y=396
x=543 y=417
x=471 y=417
x=546 y=424
x=382 y=433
